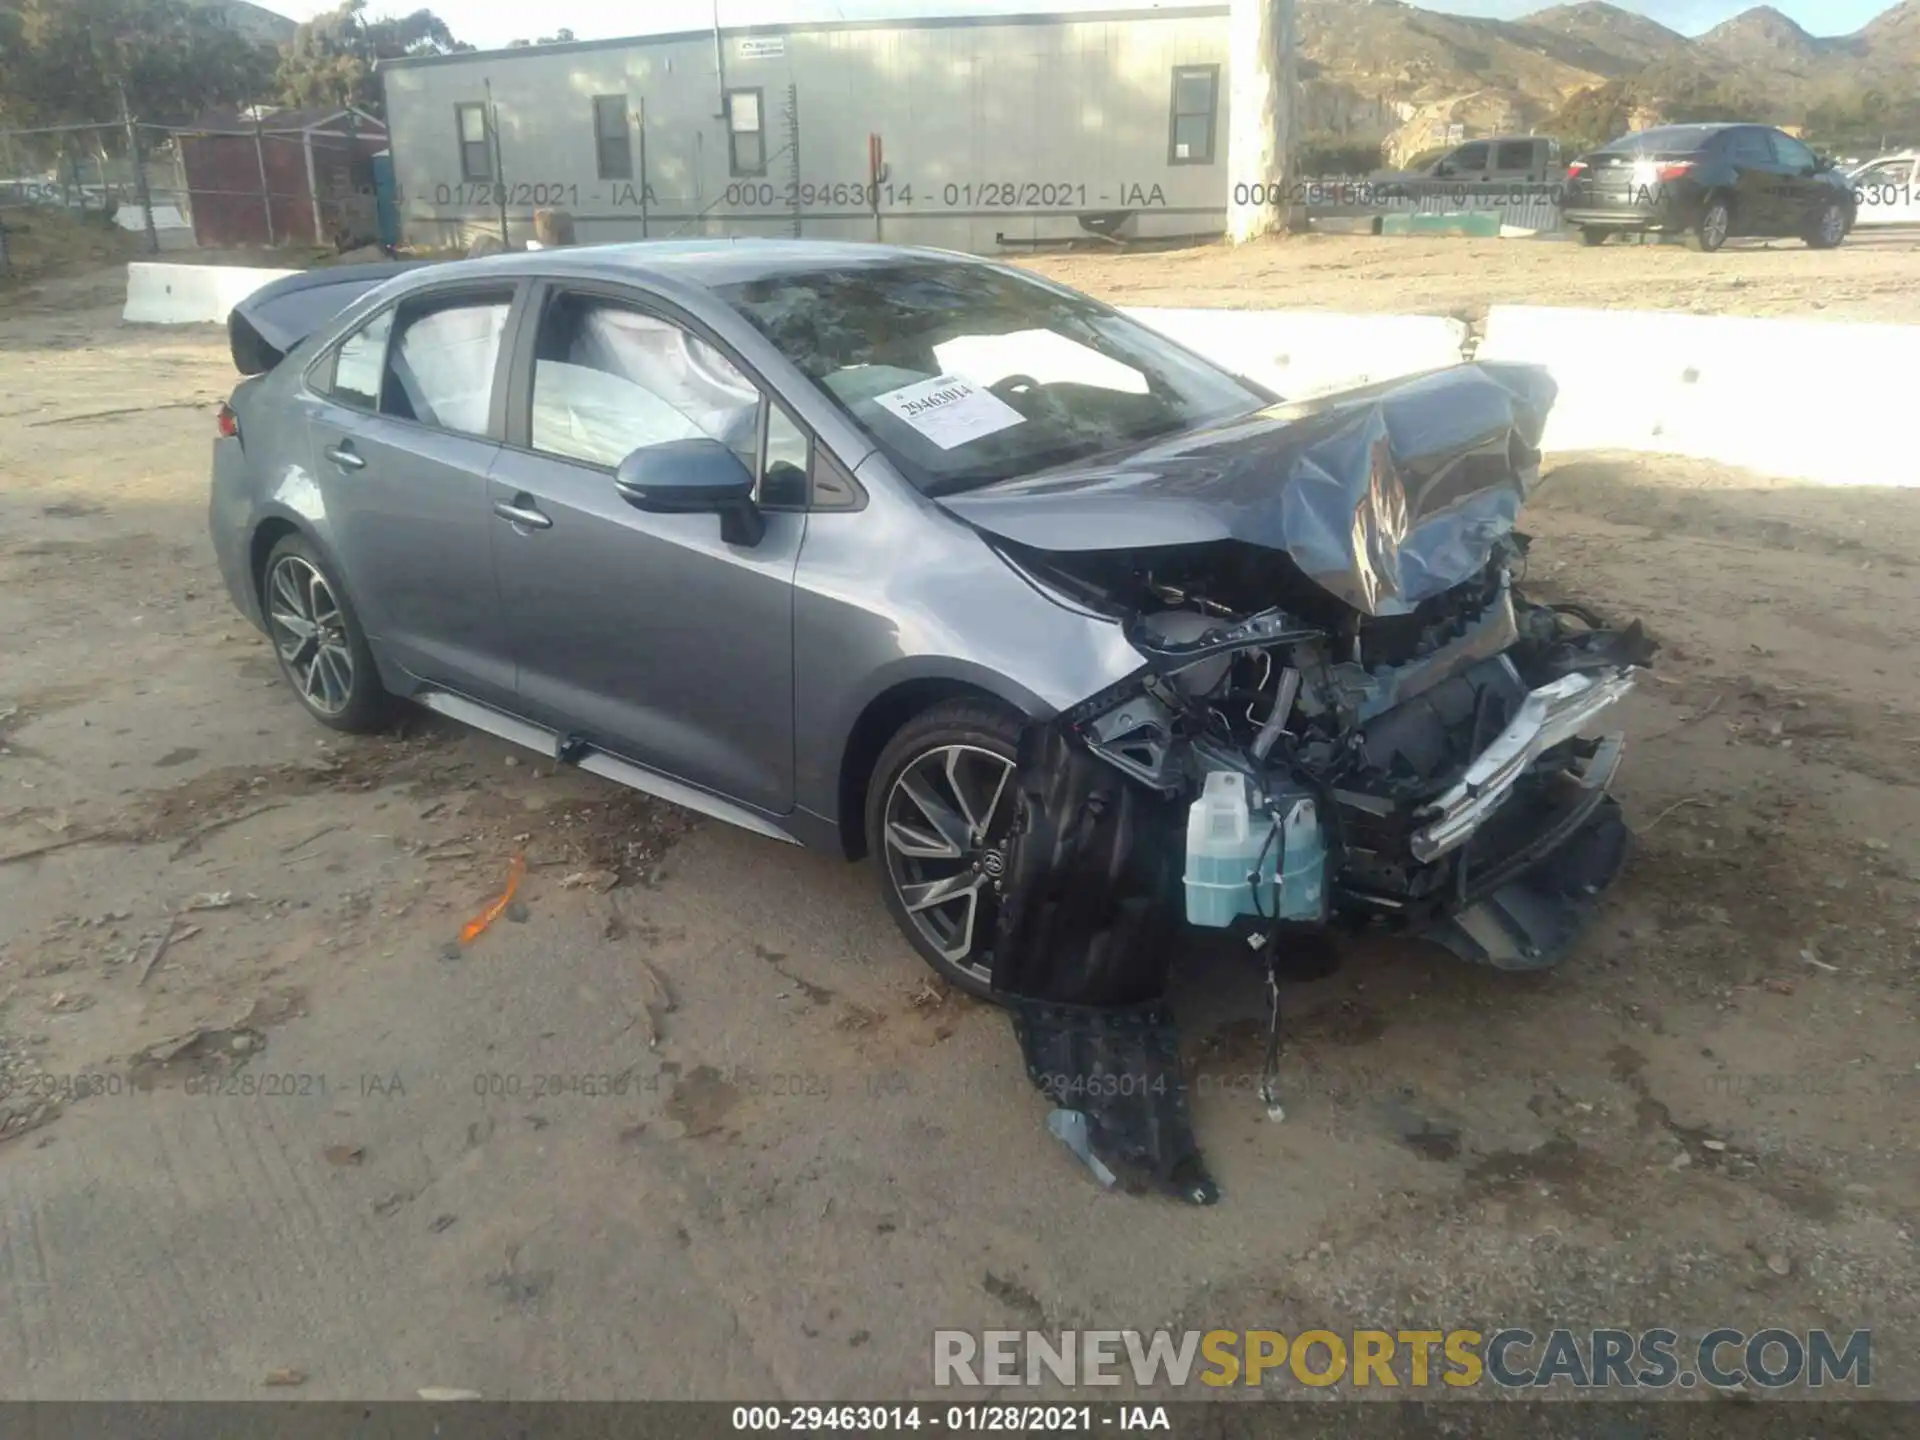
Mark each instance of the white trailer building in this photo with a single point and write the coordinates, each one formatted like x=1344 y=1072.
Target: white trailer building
x=974 y=133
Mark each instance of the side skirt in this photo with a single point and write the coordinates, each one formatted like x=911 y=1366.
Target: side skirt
x=570 y=751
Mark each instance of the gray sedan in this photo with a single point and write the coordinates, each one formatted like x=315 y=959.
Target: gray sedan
x=910 y=554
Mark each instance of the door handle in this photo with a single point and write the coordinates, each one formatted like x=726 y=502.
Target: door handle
x=523 y=514
x=345 y=457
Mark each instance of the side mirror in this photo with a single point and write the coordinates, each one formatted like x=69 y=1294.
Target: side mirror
x=690 y=477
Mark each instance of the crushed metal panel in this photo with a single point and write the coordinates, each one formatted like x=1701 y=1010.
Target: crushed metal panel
x=1383 y=497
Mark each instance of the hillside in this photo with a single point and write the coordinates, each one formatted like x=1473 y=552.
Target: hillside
x=250 y=21
x=1617 y=39
x=1894 y=38
x=1764 y=39
x=1392 y=71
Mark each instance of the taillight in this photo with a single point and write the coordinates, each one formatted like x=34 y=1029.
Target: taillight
x=1674 y=170
x=228 y=422
x=1576 y=169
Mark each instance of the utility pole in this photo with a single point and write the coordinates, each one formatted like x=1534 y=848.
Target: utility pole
x=499 y=170
x=1262 y=105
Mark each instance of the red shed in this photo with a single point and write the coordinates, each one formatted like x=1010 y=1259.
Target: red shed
x=301 y=177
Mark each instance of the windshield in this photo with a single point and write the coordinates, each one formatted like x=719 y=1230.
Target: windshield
x=963 y=373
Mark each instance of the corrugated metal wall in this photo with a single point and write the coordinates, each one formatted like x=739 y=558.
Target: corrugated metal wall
x=994 y=133
x=231 y=206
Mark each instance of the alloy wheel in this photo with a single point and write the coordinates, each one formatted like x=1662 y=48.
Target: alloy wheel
x=1833 y=225
x=1715 y=225
x=945 y=821
x=310 y=634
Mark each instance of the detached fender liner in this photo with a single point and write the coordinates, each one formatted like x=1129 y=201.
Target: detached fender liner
x=1084 y=943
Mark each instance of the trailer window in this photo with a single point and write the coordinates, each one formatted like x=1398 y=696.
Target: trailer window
x=612 y=146
x=1196 y=103
x=746 y=135
x=476 y=153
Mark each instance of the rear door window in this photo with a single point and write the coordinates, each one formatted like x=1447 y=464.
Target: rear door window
x=1514 y=155
x=443 y=364
x=1749 y=147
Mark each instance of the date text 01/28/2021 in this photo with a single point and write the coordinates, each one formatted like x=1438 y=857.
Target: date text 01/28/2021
x=829 y=195
x=1030 y=1419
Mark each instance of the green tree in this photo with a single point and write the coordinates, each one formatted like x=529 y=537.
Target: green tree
x=67 y=61
x=331 y=59
x=1593 y=117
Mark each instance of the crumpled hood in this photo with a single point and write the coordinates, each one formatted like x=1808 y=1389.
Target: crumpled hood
x=1385 y=496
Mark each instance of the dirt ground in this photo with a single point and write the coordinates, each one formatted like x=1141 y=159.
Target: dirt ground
x=43 y=243
x=1874 y=276
x=690 y=1121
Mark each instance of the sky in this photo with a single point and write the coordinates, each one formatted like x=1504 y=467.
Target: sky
x=492 y=23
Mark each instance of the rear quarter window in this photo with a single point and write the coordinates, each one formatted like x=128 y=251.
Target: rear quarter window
x=359 y=363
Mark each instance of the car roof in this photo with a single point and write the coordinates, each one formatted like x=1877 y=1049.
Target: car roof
x=706 y=264
x=1696 y=134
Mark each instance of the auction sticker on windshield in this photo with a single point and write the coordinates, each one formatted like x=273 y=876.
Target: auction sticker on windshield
x=950 y=411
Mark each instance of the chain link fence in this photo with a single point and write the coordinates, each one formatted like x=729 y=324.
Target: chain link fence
x=285 y=179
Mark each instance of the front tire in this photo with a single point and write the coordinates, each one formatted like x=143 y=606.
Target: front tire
x=939 y=808
x=1594 y=235
x=1829 y=228
x=318 y=641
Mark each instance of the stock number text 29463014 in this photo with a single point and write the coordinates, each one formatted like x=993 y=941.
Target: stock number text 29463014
x=949 y=195
x=781 y=195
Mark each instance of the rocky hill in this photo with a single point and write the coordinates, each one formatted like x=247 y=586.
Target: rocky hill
x=1894 y=38
x=1618 y=41
x=1380 y=68
x=1764 y=39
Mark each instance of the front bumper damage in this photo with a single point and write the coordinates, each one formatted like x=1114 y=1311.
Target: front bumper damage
x=1419 y=762
x=1502 y=867
x=1548 y=717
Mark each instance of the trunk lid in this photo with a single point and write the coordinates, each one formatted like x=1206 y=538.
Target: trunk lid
x=263 y=328
x=1383 y=497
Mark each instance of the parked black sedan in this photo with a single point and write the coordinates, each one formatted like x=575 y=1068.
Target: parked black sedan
x=1710 y=183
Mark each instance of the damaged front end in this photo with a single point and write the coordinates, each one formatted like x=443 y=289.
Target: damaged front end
x=1349 y=716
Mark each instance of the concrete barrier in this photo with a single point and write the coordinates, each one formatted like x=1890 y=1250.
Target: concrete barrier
x=159 y=294
x=1303 y=353
x=1802 y=399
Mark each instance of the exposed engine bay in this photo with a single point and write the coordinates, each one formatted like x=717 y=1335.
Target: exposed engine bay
x=1288 y=763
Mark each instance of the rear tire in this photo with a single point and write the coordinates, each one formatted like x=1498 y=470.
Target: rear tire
x=945 y=783
x=1594 y=235
x=318 y=641
x=1714 y=226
